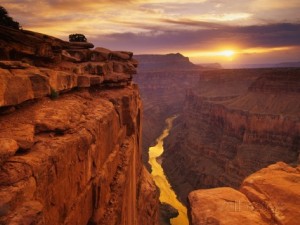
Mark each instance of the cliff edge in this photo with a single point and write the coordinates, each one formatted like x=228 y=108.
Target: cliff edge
x=269 y=196
x=70 y=135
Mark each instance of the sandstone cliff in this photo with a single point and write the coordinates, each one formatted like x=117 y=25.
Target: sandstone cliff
x=70 y=135
x=237 y=122
x=269 y=196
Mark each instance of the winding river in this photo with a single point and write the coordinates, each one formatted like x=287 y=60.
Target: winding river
x=167 y=194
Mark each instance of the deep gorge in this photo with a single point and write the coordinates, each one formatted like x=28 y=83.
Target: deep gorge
x=75 y=132
x=224 y=135
x=231 y=124
x=167 y=194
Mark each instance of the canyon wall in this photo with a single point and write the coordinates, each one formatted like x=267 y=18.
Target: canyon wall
x=235 y=123
x=70 y=135
x=163 y=87
x=269 y=196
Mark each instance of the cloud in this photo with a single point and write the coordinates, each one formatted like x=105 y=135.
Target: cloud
x=171 y=1
x=282 y=34
x=258 y=39
x=151 y=26
x=196 y=23
x=274 y=4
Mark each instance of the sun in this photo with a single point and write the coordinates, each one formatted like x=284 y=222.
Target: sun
x=226 y=53
x=222 y=54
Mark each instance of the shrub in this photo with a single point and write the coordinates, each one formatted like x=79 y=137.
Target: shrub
x=54 y=94
x=6 y=20
x=77 y=38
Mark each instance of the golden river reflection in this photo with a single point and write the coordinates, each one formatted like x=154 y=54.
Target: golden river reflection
x=167 y=194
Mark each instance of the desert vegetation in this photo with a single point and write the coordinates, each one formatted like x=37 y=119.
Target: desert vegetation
x=6 y=20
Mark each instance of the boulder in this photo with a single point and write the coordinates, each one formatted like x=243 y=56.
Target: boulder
x=275 y=193
x=222 y=206
x=269 y=196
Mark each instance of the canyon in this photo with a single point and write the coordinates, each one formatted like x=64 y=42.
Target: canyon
x=163 y=90
x=70 y=135
x=233 y=124
x=75 y=133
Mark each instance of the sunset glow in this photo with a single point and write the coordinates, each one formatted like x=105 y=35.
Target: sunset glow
x=237 y=55
x=264 y=50
x=227 y=53
x=202 y=29
x=222 y=53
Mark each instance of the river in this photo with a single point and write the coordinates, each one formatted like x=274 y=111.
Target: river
x=167 y=194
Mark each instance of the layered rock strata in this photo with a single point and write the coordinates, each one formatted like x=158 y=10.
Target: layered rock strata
x=237 y=122
x=35 y=65
x=269 y=196
x=162 y=90
x=70 y=135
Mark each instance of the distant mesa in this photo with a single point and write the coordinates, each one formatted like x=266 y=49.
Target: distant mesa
x=211 y=65
x=288 y=64
x=170 y=62
x=271 y=65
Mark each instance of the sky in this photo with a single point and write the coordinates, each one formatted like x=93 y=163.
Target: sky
x=230 y=32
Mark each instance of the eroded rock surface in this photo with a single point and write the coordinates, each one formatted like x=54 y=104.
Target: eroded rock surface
x=70 y=135
x=222 y=206
x=34 y=65
x=269 y=196
x=235 y=123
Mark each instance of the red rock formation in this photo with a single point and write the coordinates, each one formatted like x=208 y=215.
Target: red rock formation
x=75 y=158
x=269 y=196
x=228 y=131
x=65 y=65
